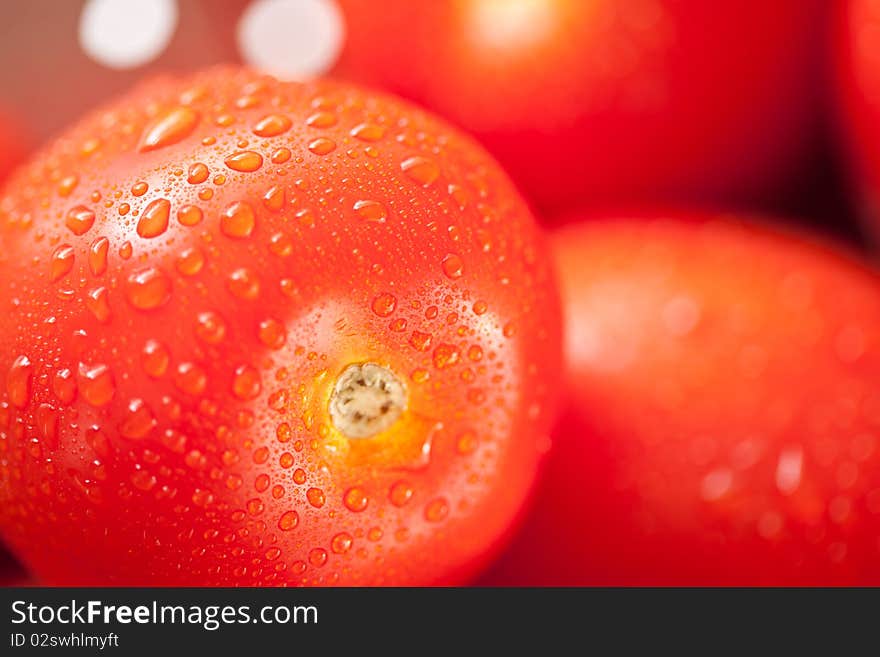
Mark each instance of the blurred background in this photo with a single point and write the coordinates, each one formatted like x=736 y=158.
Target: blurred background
x=63 y=58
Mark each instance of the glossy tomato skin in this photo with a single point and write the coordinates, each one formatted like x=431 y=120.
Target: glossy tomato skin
x=722 y=425
x=858 y=81
x=605 y=101
x=186 y=275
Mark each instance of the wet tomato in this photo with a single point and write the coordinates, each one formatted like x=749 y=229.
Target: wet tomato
x=604 y=101
x=724 y=413
x=265 y=333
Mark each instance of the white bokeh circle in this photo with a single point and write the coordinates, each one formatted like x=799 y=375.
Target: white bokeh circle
x=291 y=39
x=125 y=34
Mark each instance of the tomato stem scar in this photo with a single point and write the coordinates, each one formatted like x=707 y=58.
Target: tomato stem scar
x=367 y=399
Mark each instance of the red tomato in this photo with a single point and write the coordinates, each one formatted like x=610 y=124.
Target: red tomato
x=858 y=72
x=724 y=413
x=263 y=333
x=604 y=101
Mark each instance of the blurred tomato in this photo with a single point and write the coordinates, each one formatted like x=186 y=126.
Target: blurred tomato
x=603 y=101
x=858 y=77
x=724 y=413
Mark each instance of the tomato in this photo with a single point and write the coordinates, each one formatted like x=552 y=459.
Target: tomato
x=723 y=415
x=262 y=333
x=604 y=102
x=858 y=77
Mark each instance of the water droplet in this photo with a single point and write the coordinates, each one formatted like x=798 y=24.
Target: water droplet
x=436 y=510
x=138 y=422
x=371 y=211
x=244 y=161
x=261 y=455
x=341 y=543
x=281 y=155
x=139 y=189
x=274 y=198
x=18 y=382
x=322 y=119
x=67 y=184
x=384 y=304
x=147 y=289
x=355 y=500
x=467 y=443
x=154 y=220
x=238 y=220
x=318 y=557
x=247 y=383
x=98 y=302
x=452 y=265
x=210 y=327
x=272 y=333
x=401 y=493
x=244 y=284
x=315 y=496
x=155 y=359
x=445 y=355
x=189 y=215
x=190 y=378
x=125 y=250
x=64 y=386
x=79 y=220
x=255 y=506
x=143 y=480
x=62 y=261
x=96 y=384
x=299 y=476
x=272 y=125
x=369 y=132
x=458 y=195
x=190 y=261
x=202 y=497
x=196 y=460
x=288 y=520
x=420 y=341
x=197 y=174
x=421 y=170
x=322 y=146
x=169 y=128
x=98 y=256
x=281 y=245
